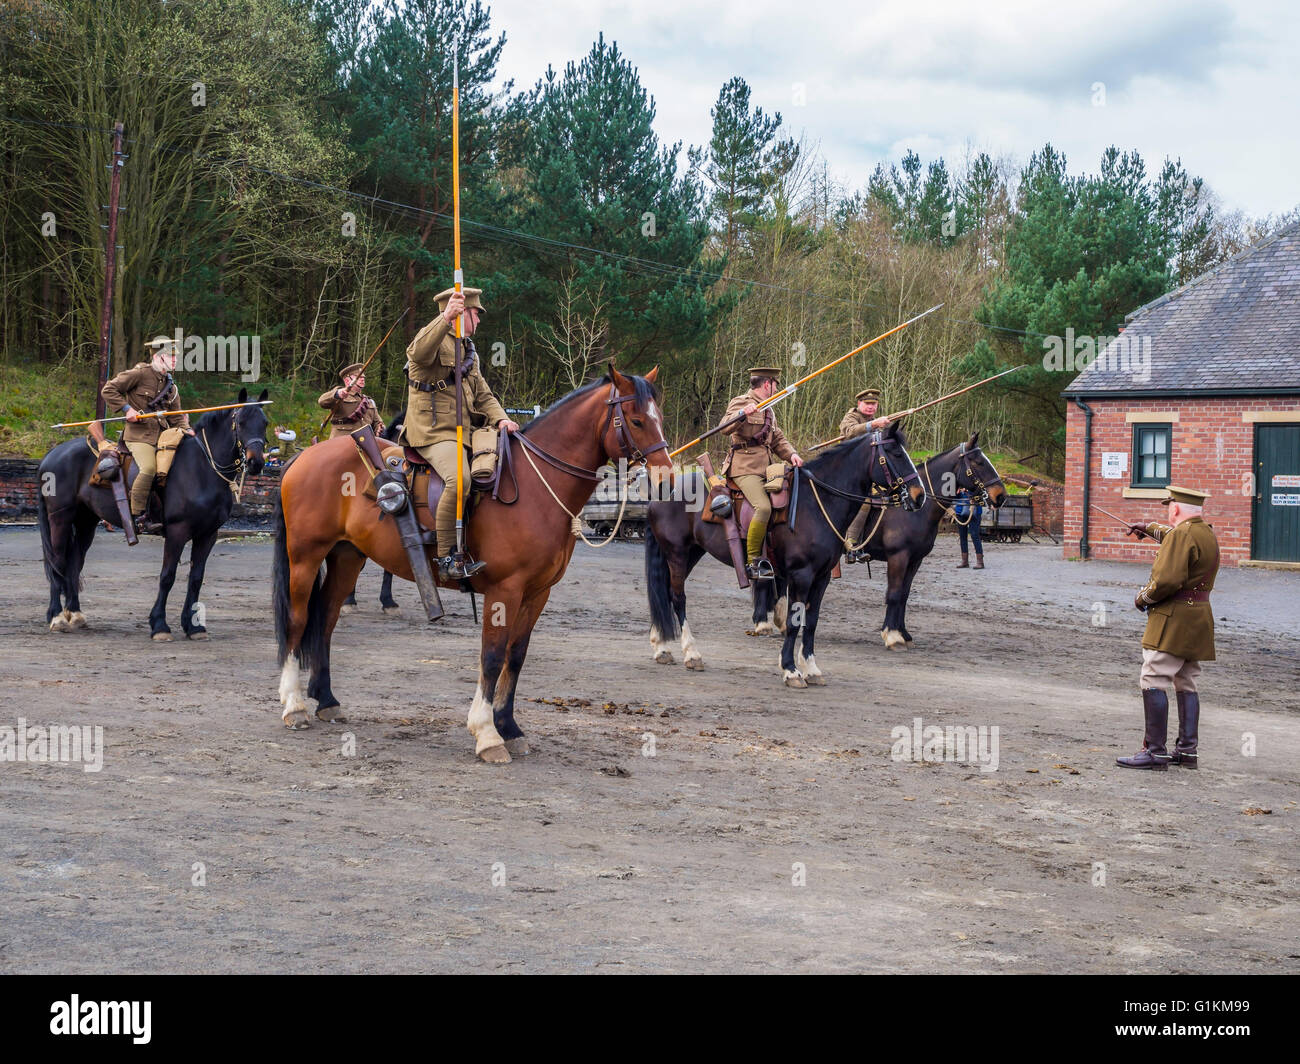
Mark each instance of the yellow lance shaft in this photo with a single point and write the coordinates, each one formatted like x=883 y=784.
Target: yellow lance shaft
x=458 y=282
x=789 y=389
x=932 y=402
x=161 y=413
x=366 y=365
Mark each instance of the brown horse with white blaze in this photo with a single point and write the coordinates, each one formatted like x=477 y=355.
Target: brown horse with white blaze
x=525 y=544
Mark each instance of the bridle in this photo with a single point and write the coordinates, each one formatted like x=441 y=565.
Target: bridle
x=983 y=498
x=893 y=492
x=234 y=472
x=627 y=447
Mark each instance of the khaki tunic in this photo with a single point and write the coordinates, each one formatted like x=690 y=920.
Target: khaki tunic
x=431 y=416
x=1187 y=561
x=749 y=457
x=854 y=424
x=139 y=387
x=348 y=415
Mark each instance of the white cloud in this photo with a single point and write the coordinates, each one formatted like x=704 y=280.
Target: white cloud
x=1212 y=81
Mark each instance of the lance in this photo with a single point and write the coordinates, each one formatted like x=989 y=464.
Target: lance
x=1127 y=524
x=791 y=388
x=365 y=365
x=458 y=282
x=932 y=402
x=162 y=413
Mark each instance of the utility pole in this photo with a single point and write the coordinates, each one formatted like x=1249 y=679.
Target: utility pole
x=110 y=269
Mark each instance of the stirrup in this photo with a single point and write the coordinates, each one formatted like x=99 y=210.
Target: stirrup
x=145 y=527
x=459 y=566
x=854 y=556
x=760 y=569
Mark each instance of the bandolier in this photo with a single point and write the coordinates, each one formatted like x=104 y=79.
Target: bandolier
x=754 y=441
x=351 y=409
x=142 y=389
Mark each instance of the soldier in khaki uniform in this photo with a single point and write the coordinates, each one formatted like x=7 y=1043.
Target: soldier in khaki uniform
x=1180 y=627
x=350 y=409
x=431 y=410
x=861 y=418
x=142 y=389
x=753 y=443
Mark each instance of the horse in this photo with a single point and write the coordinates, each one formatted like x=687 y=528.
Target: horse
x=196 y=502
x=386 y=601
x=553 y=464
x=903 y=539
x=676 y=539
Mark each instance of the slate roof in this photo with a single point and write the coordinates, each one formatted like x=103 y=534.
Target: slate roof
x=1235 y=328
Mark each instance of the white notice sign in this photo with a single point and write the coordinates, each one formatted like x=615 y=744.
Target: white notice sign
x=1286 y=500
x=1286 y=480
x=1114 y=464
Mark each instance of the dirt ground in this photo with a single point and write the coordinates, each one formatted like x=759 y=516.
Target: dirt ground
x=771 y=831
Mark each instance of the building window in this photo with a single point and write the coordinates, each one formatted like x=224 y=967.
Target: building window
x=1151 y=456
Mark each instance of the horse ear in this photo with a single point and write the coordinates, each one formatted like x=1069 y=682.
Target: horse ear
x=266 y=392
x=620 y=382
x=243 y=395
x=652 y=375
x=974 y=441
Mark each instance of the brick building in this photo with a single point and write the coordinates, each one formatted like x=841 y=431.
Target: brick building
x=1202 y=388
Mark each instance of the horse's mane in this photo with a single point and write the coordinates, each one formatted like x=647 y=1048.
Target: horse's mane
x=644 y=391
x=213 y=419
x=829 y=457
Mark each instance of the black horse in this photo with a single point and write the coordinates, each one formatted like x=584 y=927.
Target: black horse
x=386 y=600
x=677 y=538
x=196 y=502
x=903 y=539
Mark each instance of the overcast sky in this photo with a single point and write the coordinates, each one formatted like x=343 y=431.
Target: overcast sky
x=1215 y=83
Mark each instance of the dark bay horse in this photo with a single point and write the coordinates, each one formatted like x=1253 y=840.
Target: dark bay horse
x=526 y=546
x=903 y=539
x=197 y=501
x=677 y=538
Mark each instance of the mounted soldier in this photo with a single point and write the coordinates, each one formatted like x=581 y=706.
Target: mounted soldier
x=432 y=407
x=350 y=408
x=861 y=418
x=145 y=388
x=1179 y=633
x=754 y=441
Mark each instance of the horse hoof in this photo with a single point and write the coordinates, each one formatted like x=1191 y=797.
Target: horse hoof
x=517 y=747
x=696 y=663
x=77 y=620
x=495 y=755
x=893 y=639
x=161 y=637
x=297 y=720
x=331 y=715
x=664 y=657
x=793 y=679
x=60 y=624
x=815 y=679
x=764 y=628
x=392 y=609
x=345 y=608
x=196 y=635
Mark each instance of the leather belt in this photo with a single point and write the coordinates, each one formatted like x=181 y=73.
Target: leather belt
x=421 y=386
x=1194 y=596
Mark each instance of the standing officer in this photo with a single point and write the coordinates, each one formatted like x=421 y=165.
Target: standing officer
x=1180 y=627
x=753 y=442
x=350 y=409
x=144 y=388
x=431 y=410
x=861 y=418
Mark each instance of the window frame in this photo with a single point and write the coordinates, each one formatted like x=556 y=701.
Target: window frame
x=1136 y=481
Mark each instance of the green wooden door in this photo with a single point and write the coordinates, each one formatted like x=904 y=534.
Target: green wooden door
x=1276 y=517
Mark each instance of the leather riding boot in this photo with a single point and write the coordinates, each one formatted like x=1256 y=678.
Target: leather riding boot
x=965 y=561
x=459 y=566
x=979 y=562
x=1189 y=717
x=1155 y=707
x=146 y=527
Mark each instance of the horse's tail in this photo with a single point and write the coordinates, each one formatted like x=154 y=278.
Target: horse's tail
x=311 y=645
x=658 y=588
x=53 y=573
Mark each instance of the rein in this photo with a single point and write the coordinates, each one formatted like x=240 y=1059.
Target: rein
x=893 y=497
x=238 y=469
x=981 y=500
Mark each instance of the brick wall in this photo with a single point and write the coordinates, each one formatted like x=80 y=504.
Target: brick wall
x=1211 y=449
x=1049 y=502
x=19 y=488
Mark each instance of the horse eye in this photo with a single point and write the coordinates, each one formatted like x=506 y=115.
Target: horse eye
x=638 y=422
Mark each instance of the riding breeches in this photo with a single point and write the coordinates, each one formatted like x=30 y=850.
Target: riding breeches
x=1160 y=668
x=146 y=466
x=858 y=525
x=756 y=494
x=442 y=456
